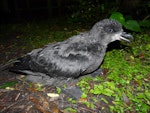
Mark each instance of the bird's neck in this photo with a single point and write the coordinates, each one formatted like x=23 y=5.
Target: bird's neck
x=95 y=39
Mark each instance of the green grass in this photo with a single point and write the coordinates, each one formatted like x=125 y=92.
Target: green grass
x=126 y=82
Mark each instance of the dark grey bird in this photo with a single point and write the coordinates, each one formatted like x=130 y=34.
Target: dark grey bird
x=79 y=55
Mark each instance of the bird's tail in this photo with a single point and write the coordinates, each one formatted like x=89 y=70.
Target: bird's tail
x=7 y=65
x=18 y=64
x=22 y=64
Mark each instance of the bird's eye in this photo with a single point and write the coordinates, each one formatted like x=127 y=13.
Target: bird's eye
x=110 y=30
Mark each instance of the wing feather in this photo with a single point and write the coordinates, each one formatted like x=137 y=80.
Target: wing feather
x=71 y=59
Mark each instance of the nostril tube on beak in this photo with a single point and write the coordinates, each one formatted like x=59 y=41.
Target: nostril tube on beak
x=125 y=35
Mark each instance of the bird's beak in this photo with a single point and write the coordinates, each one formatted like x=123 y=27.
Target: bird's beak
x=125 y=36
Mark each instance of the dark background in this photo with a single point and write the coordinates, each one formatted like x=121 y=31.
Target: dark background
x=71 y=10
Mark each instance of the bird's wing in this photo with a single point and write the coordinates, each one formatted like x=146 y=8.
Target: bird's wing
x=67 y=58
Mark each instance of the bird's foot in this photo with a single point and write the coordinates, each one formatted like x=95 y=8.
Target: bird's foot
x=97 y=72
x=44 y=80
x=73 y=92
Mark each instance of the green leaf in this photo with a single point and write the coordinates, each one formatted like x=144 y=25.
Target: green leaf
x=84 y=95
x=147 y=94
x=58 y=90
x=8 y=84
x=144 y=23
x=118 y=16
x=89 y=104
x=98 y=89
x=132 y=25
x=147 y=47
x=108 y=92
x=70 y=109
x=72 y=101
x=103 y=99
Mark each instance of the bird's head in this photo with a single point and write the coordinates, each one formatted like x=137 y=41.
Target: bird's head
x=109 y=30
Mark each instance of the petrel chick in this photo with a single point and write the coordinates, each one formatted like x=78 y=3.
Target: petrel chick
x=79 y=55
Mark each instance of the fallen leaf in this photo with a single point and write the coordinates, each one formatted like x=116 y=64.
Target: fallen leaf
x=52 y=94
x=141 y=56
x=81 y=100
x=39 y=104
x=54 y=108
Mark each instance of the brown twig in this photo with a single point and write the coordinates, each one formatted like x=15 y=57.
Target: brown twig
x=11 y=105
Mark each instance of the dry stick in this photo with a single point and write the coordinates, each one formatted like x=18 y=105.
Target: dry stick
x=22 y=81
x=11 y=105
x=17 y=96
x=88 y=110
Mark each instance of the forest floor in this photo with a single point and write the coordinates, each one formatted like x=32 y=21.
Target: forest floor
x=123 y=87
